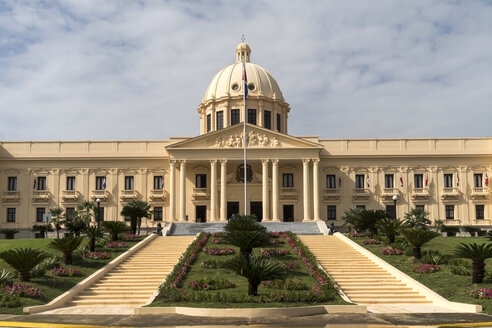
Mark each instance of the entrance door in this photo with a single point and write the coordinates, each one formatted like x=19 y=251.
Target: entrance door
x=256 y=208
x=288 y=213
x=232 y=208
x=201 y=213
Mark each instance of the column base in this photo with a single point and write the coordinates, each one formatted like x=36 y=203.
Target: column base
x=307 y=220
x=275 y=220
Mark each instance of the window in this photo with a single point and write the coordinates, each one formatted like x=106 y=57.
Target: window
x=40 y=211
x=449 y=209
x=201 y=181
x=288 y=180
x=220 y=120
x=100 y=183
x=330 y=181
x=234 y=116
x=361 y=207
x=480 y=212
x=158 y=182
x=420 y=207
x=331 y=212
x=10 y=214
x=418 y=180
x=477 y=178
x=69 y=213
x=252 y=116
x=448 y=181
x=129 y=183
x=359 y=181
x=12 y=184
x=70 y=183
x=157 y=213
x=267 y=119
x=101 y=214
x=41 y=183
x=388 y=181
x=279 y=122
x=391 y=210
x=209 y=122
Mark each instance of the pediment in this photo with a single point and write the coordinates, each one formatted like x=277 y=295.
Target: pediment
x=256 y=138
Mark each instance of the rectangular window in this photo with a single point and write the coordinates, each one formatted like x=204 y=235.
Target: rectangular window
x=477 y=178
x=391 y=210
x=40 y=211
x=41 y=183
x=129 y=183
x=70 y=183
x=279 y=123
x=200 y=181
x=448 y=181
x=480 y=212
x=234 y=116
x=209 y=122
x=158 y=182
x=449 y=209
x=12 y=184
x=361 y=207
x=331 y=212
x=10 y=214
x=220 y=120
x=389 y=181
x=330 y=181
x=101 y=214
x=100 y=183
x=420 y=207
x=252 y=116
x=359 y=181
x=69 y=213
x=288 y=180
x=418 y=180
x=267 y=119
x=157 y=213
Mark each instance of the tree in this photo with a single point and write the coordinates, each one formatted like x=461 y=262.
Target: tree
x=67 y=246
x=389 y=227
x=93 y=232
x=370 y=218
x=417 y=238
x=115 y=228
x=23 y=260
x=417 y=219
x=136 y=210
x=56 y=219
x=478 y=254
x=244 y=223
x=42 y=229
x=245 y=232
x=351 y=217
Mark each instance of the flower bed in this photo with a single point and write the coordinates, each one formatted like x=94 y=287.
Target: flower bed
x=130 y=236
x=117 y=244
x=217 y=241
x=210 y=284
x=289 y=284
x=65 y=272
x=426 y=268
x=290 y=266
x=218 y=250
x=96 y=255
x=392 y=251
x=371 y=242
x=274 y=252
x=211 y=264
x=180 y=270
x=21 y=290
x=356 y=234
x=277 y=241
x=482 y=293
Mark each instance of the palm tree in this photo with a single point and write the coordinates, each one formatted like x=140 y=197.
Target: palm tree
x=75 y=225
x=136 y=210
x=244 y=223
x=247 y=240
x=370 y=218
x=351 y=217
x=256 y=270
x=115 y=228
x=67 y=246
x=417 y=219
x=23 y=260
x=93 y=232
x=478 y=254
x=417 y=238
x=389 y=227
x=42 y=229
x=56 y=218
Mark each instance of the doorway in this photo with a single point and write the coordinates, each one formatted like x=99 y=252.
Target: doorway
x=201 y=213
x=232 y=208
x=288 y=213
x=256 y=208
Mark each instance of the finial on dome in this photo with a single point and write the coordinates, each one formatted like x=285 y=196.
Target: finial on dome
x=243 y=51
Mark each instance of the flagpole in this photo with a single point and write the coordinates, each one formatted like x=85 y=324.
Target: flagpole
x=244 y=138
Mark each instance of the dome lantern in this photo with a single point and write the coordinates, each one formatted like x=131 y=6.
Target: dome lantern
x=243 y=53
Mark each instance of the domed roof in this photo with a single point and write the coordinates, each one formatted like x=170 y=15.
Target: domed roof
x=228 y=82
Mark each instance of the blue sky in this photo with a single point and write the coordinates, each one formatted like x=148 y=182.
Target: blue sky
x=132 y=70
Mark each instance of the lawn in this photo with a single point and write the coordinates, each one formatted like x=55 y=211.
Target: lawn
x=53 y=286
x=451 y=286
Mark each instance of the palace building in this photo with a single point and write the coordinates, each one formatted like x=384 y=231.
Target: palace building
x=289 y=178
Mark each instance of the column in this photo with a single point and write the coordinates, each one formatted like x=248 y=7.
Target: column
x=265 y=194
x=316 y=189
x=275 y=190
x=223 y=190
x=305 y=185
x=172 y=191
x=213 y=190
x=182 y=190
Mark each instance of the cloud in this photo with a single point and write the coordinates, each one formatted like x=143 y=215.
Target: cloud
x=72 y=70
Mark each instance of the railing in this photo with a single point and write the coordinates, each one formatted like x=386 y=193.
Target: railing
x=390 y=191
x=101 y=194
x=70 y=194
x=331 y=193
x=11 y=195
x=40 y=195
x=288 y=193
x=361 y=191
x=420 y=192
x=128 y=194
x=480 y=190
x=201 y=193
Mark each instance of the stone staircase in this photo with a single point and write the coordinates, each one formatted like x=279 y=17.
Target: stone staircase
x=300 y=228
x=191 y=229
x=362 y=280
x=134 y=281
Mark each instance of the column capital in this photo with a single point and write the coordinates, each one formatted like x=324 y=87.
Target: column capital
x=182 y=162
x=315 y=161
x=172 y=162
x=213 y=161
x=223 y=161
x=275 y=161
x=305 y=161
x=265 y=161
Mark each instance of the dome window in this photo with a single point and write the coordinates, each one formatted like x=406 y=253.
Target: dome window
x=251 y=87
x=235 y=87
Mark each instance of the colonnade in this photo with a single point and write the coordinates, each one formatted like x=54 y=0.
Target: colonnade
x=310 y=206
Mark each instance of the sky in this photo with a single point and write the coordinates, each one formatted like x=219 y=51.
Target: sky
x=137 y=70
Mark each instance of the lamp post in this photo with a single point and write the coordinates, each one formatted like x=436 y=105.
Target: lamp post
x=395 y=198
x=98 y=219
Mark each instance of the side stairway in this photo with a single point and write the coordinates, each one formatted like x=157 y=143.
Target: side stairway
x=134 y=281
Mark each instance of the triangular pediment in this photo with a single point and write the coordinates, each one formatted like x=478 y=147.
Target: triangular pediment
x=256 y=138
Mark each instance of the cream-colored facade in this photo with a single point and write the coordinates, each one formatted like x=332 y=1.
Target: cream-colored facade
x=290 y=178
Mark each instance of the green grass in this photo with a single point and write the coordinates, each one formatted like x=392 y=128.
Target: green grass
x=453 y=287
x=50 y=285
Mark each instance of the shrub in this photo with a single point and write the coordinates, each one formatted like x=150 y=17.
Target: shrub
x=289 y=284
x=67 y=246
x=115 y=228
x=218 y=250
x=9 y=233
x=482 y=294
x=371 y=242
x=472 y=230
x=290 y=266
x=426 y=268
x=23 y=260
x=356 y=234
x=274 y=252
x=417 y=238
x=457 y=261
x=6 y=277
x=211 y=264
x=450 y=231
x=117 y=245
x=96 y=255
x=65 y=272
x=391 y=251
x=8 y=301
x=462 y=270
x=42 y=229
x=435 y=257
x=478 y=254
x=47 y=264
x=210 y=284
x=21 y=291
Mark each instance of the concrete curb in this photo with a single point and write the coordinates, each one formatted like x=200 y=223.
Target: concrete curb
x=254 y=312
x=68 y=295
x=427 y=292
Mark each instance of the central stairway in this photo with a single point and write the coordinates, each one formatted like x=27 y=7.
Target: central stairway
x=191 y=229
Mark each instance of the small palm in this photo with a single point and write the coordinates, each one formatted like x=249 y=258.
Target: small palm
x=67 y=246
x=478 y=254
x=23 y=260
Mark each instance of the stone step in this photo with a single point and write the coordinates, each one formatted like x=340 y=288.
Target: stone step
x=109 y=296
x=390 y=301
x=380 y=292
x=138 y=302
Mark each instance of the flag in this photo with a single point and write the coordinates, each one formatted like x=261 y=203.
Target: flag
x=486 y=180
x=426 y=179
x=104 y=183
x=34 y=185
x=368 y=182
x=401 y=180
x=245 y=80
x=457 y=179
x=162 y=182
x=339 y=182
